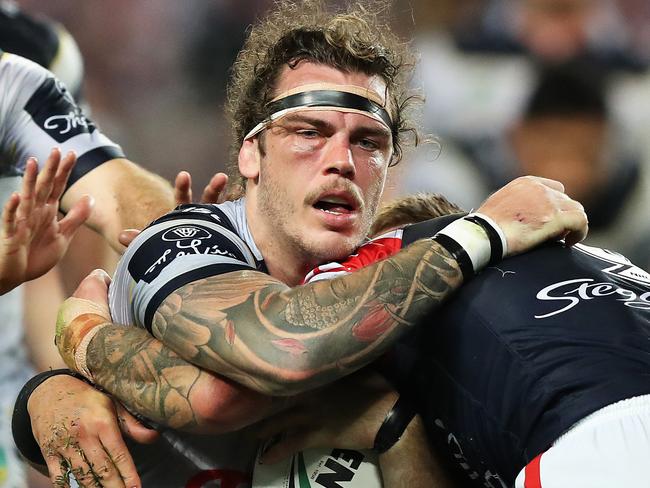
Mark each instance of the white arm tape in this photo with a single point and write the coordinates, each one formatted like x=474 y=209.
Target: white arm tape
x=82 y=350
x=473 y=239
x=495 y=226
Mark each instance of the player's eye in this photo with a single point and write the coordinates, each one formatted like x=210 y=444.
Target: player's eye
x=369 y=144
x=308 y=133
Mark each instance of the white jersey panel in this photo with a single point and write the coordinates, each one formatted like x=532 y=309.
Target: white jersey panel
x=236 y=213
x=38 y=113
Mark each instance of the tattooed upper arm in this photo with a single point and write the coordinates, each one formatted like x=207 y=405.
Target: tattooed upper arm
x=280 y=340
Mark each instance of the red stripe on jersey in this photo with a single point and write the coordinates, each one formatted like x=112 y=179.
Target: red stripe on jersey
x=375 y=250
x=532 y=475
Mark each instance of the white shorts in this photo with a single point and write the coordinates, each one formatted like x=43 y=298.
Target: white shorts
x=609 y=448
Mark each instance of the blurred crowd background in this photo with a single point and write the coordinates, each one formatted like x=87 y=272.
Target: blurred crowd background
x=557 y=88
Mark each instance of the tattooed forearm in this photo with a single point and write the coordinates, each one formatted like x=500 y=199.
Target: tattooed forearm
x=143 y=375
x=282 y=340
x=154 y=381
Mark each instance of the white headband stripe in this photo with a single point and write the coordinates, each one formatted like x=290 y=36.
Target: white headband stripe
x=287 y=111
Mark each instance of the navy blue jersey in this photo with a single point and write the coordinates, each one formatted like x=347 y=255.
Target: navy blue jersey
x=527 y=349
x=522 y=352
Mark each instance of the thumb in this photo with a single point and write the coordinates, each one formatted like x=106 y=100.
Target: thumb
x=94 y=288
x=132 y=427
x=77 y=215
x=127 y=235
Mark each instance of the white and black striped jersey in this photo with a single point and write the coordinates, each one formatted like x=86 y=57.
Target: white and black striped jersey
x=192 y=242
x=38 y=113
x=187 y=244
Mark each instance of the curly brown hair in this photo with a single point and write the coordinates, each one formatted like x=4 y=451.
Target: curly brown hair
x=353 y=39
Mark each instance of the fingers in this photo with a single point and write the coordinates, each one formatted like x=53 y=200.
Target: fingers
x=212 y=192
x=573 y=238
x=119 y=457
x=69 y=462
x=46 y=186
x=58 y=470
x=570 y=220
x=127 y=235
x=76 y=429
x=183 y=188
x=132 y=427
x=62 y=176
x=9 y=215
x=76 y=216
x=577 y=224
x=27 y=192
x=101 y=469
x=554 y=184
x=94 y=462
x=46 y=176
x=214 y=189
x=531 y=210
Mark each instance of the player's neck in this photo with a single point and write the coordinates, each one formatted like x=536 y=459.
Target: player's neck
x=282 y=259
x=285 y=273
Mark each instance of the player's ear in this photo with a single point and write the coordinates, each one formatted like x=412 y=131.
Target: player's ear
x=249 y=158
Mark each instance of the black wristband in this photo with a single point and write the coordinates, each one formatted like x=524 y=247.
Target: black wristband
x=458 y=253
x=496 y=247
x=21 y=426
x=394 y=424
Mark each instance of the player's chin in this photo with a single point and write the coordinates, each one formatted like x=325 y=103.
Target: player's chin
x=332 y=246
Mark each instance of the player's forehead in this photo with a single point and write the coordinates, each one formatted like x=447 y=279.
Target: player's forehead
x=313 y=87
x=307 y=73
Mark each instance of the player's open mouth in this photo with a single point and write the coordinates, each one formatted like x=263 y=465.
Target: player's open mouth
x=333 y=207
x=337 y=204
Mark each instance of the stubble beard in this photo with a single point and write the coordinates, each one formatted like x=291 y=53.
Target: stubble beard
x=279 y=213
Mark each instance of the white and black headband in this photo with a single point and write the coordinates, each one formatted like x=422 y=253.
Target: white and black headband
x=325 y=96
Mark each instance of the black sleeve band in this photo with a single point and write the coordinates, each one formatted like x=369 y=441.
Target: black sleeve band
x=92 y=159
x=394 y=424
x=21 y=426
x=458 y=253
x=496 y=247
x=427 y=228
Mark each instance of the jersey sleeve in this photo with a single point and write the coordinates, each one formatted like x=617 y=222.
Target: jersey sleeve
x=175 y=250
x=37 y=113
x=427 y=228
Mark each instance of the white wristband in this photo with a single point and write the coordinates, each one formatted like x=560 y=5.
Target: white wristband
x=497 y=230
x=473 y=239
